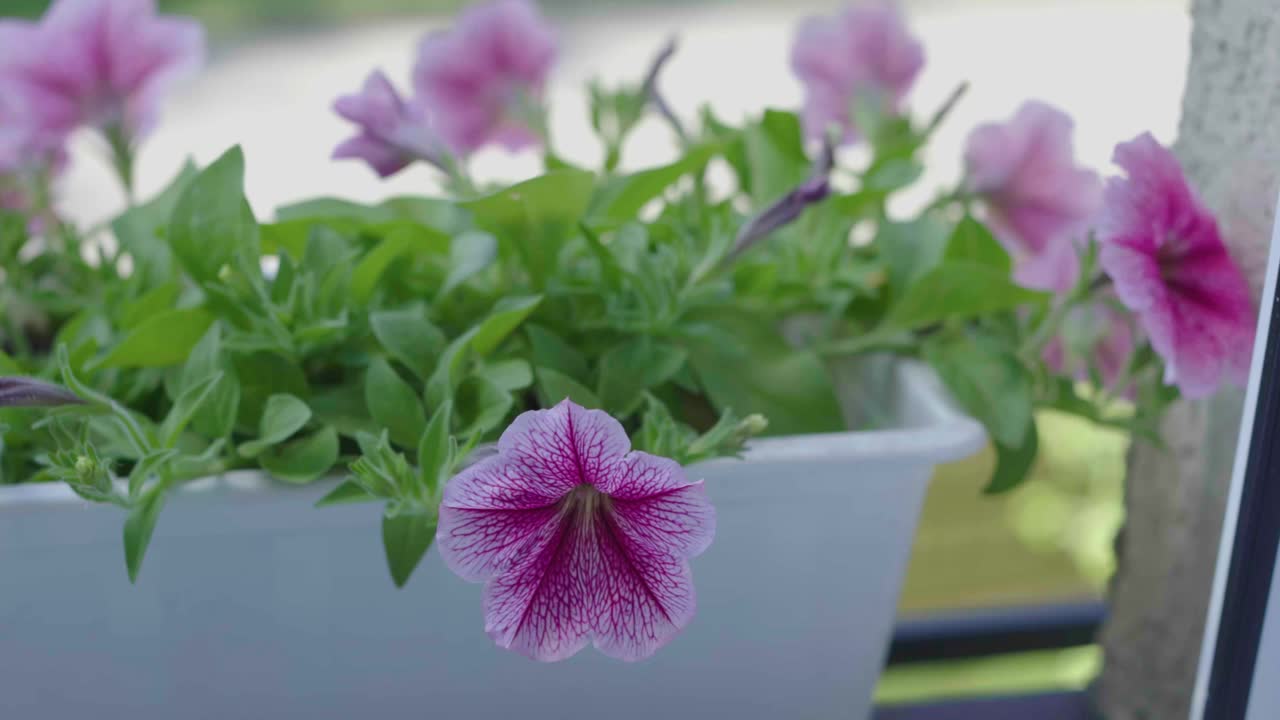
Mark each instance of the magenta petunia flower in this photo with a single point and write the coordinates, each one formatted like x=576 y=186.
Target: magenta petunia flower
x=101 y=63
x=865 y=54
x=1038 y=201
x=1162 y=250
x=392 y=133
x=483 y=80
x=578 y=537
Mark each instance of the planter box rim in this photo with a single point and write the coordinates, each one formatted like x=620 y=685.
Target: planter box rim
x=942 y=433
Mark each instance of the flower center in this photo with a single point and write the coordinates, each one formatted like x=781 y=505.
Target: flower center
x=584 y=502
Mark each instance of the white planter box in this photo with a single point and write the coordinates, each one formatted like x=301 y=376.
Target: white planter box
x=253 y=604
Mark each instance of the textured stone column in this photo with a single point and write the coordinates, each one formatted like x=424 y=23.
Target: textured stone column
x=1229 y=141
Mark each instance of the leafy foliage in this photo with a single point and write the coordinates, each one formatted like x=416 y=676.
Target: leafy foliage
x=391 y=340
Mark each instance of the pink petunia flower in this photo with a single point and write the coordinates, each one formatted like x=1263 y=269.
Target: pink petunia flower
x=578 y=537
x=100 y=63
x=483 y=80
x=866 y=54
x=1163 y=252
x=1038 y=201
x=392 y=133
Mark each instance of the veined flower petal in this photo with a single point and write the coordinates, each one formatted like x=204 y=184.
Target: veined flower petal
x=580 y=538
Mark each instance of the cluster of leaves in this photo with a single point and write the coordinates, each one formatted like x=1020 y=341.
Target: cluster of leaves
x=394 y=339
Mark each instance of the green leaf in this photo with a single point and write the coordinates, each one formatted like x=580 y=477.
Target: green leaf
x=629 y=369
x=911 y=250
x=393 y=403
x=892 y=174
x=147 y=466
x=303 y=460
x=959 y=289
x=433 y=450
x=187 y=405
x=153 y=302
x=509 y=375
x=1013 y=464
x=410 y=338
x=554 y=386
x=216 y=417
x=503 y=319
x=469 y=253
x=138 y=528
x=990 y=384
x=550 y=351
x=972 y=241
x=620 y=198
x=482 y=403
x=164 y=339
x=262 y=375
x=212 y=222
x=400 y=241
x=775 y=155
x=282 y=416
x=533 y=219
x=746 y=366
x=347 y=492
x=140 y=230
x=406 y=537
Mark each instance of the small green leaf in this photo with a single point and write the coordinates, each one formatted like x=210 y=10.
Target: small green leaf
x=532 y=219
x=554 y=386
x=959 y=289
x=469 y=253
x=892 y=174
x=550 y=351
x=409 y=337
x=346 y=493
x=283 y=416
x=406 y=537
x=393 y=403
x=217 y=415
x=504 y=318
x=1013 y=464
x=990 y=384
x=972 y=241
x=629 y=369
x=482 y=403
x=164 y=339
x=262 y=375
x=212 y=222
x=146 y=467
x=187 y=405
x=775 y=156
x=509 y=375
x=748 y=367
x=138 y=528
x=620 y=198
x=303 y=460
x=911 y=249
x=397 y=243
x=155 y=301
x=433 y=449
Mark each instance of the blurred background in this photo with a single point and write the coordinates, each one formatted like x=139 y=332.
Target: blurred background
x=1117 y=66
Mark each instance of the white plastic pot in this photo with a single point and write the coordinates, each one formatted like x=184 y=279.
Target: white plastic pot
x=253 y=604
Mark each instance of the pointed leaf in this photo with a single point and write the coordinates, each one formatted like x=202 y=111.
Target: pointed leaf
x=406 y=537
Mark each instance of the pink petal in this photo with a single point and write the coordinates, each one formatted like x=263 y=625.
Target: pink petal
x=866 y=51
x=473 y=77
x=565 y=446
x=584 y=577
x=1037 y=199
x=477 y=544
